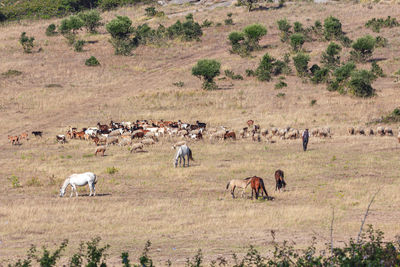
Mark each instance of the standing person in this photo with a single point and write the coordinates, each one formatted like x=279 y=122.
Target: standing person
x=305 y=137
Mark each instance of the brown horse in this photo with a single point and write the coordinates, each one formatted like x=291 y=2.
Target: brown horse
x=14 y=139
x=280 y=182
x=257 y=183
x=231 y=135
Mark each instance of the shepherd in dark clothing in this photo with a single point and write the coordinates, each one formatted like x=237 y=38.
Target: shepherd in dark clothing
x=305 y=137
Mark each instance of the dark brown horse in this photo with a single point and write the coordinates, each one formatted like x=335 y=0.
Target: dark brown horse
x=280 y=182
x=257 y=183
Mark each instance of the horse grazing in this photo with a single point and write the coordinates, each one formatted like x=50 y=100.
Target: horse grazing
x=280 y=182
x=237 y=183
x=181 y=153
x=14 y=139
x=37 y=133
x=100 y=150
x=257 y=183
x=231 y=135
x=80 y=180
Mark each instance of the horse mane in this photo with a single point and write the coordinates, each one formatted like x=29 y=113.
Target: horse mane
x=248 y=178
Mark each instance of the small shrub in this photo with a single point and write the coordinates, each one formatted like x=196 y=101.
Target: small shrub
x=232 y=75
x=332 y=28
x=360 y=84
x=280 y=85
x=250 y=73
x=14 y=181
x=392 y=117
x=91 y=20
x=264 y=70
x=11 y=73
x=363 y=48
x=187 y=31
x=150 y=11
x=301 y=63
x=179 y=84
x=111 y=170
x=298 y=27
x=253 y=35
x=26 y=42
x=92 y=61
x=237 y=41
x=71 y=24
x=284 y=26
x=229 y=20
x=377 y=70
x=34 y=182
x=313 y=102
x=380 y=41
x=296 y=41
x=320 y=75
x=120 y=29
x=207 y=69
x=343 y=73
x=377 y=24
x=206 y=23
x=78 y=45
x=281 y=95
x=106 y=5
x=51 y=30
x=95 y=255
x=145 y=259
x=331 y=58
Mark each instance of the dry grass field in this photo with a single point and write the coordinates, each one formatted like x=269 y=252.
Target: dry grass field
x=183 y=209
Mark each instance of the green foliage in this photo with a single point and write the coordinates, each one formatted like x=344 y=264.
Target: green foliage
x=34 y=181
x=151 y=11
x=296 y=41
x=196 y=261
x=111 y=170
x=145 y=260
x=313 y=102
x=14 y=181
x=11 y=73
x=380 y=41
x=253 y=35
x=232 y=75
x=332 y=28
x=71 y=24
x=92 y=61
x=51 y=30
x=280 y=85
x=91 y=20
x=237 y=41
x=187 y=31
x=363 y=48
x=229 y=20
x=270 y=66
x=120 y=27
x=207 y=69
x=331 y=58
x=298 y=27
x=376 y=24
x=360 y=83
x=47 y=259
x=377 y=70
x=301 y=63
x=78 y=45
x=250 y=73
x=96 y=254
x=106 y=5
x=343 y=73
x=392 y=117
x=26 y=42
x=320 y=75
x=178 y=84
x=125 y=259
x=281 y=95
x=206 y=23
x=284 y=26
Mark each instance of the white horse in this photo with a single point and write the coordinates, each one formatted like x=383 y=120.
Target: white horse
x=80 y=180
x=183 y=151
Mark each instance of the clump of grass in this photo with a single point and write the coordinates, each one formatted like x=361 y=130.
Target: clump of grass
x=206 y=23
x=313 y=102
x=92 y=61
x=232 y=75
x=111 y=170
x=11 y=73
x=280 y=85
x=394 y=116
x=178 y=84
x=14 y=181
x=88 y=155
x=281 y=95
x=34 y=181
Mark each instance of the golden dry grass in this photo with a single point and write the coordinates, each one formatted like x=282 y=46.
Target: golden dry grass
x=181 y=210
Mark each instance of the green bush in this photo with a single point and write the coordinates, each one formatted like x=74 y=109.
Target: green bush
x=237 y=41
x=296 y=41
x=363 y=48
x=253 y=35
x=229 y=20
x=206 y=23
x=207 y=69
x=232 y=75
x=26 y=42
x=392 y=117
x=301 y=63
x=360 y=84
x=121 y=29
x=91 y=20
x=151 y=11
x=280 y=85
x=377 y=70
x=331 y=58
x=71 y=24
x=264 y=70
x=332 y=28
x=298 y=27
x=380 y=41
x=51 y=30
x=320 y=75
x=92 y=61
x=111 y=170
x=284 y=26
x=106 y=5
x=187 y=31
x=377 y=24
x=78 y=45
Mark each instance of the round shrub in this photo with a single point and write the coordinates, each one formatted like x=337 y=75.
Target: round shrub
x=207 y=69
x=360 y=84
x=92 y=61
x=263 y=72
x=120 y=27
x=363 y=48
x=284 y=26
x=253 y=34
x=51 y=30
x=301 y=63
x=296 y=41
x=332 y=28
x=343 y=73
x=91 y=20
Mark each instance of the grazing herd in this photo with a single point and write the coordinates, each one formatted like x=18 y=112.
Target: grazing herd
x=148 y=132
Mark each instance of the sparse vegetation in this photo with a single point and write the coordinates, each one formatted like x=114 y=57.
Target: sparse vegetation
x=78 y=45
x=229 y=20
x=207 y=69
x=92 y=61
x=232 y=75
x=376 y=24
x=26 y=42
x=14 y=181
x=11 y=73
x=111 y=170
x=51 y=30
x=280 y=85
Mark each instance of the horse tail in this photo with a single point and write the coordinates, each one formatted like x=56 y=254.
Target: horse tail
x=263 y=187
x=190 y=154
x=227 y=186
